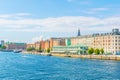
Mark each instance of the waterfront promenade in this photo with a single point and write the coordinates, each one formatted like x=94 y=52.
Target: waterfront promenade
x=101 y=57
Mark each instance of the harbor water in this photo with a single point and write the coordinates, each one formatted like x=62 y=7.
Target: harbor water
x=18 y=66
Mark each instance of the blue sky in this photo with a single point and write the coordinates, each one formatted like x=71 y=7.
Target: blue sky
x=30 y=20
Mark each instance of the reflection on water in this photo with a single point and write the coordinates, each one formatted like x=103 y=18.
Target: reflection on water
x=37 y=67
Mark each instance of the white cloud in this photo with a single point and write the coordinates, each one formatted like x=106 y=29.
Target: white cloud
x=14 y=16
x=60 y=24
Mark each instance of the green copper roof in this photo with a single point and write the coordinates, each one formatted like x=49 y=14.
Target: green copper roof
x=78 y=45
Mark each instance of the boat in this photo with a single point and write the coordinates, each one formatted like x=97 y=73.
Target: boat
x=17 y=51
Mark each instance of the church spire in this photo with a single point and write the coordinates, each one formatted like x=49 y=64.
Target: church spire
x=78 y=32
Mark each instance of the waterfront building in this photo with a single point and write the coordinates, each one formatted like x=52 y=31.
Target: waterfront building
x=30 y=45
x=47 y=44
x=37 y=45
x=110 y=42
x=68 y=41
x=57 y=42
x=87 y=40
x=14 y=45
x=71 y=49
x=42 y=44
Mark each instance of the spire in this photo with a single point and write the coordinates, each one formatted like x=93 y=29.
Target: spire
x=78 y=32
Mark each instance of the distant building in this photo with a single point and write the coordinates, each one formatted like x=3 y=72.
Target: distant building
x=2 y=42
x=37 y=45
x=42 y=44
x=14 y=45
x=30 y=45
x=47 y=44
x=57 y=42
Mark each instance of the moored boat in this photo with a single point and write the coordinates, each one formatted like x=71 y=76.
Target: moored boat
x=17 y=51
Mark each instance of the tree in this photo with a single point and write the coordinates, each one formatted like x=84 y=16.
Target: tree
x=90 y=51
x=97 y=51
x=40 y=48
x=102 y=51
x=30 y=49
x=3 y=47
x=48 y=50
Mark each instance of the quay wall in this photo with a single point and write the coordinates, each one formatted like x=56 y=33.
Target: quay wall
x=101 y=57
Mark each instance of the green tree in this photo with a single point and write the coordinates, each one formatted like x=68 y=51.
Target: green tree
x=48 y=50
x=102 y=51
x=40 y=48
x=97 y=51
x=3 y=47
x=30 y=49
x=90 y=51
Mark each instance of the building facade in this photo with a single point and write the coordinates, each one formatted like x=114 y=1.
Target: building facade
x=47 y=44
x=110 y=42
x=30 y=45
x=42 y=44
x=12 y=46
x=57 y=42
x=37 y=45
x=71 y=49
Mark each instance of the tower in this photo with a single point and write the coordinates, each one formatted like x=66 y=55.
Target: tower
x=78 y=32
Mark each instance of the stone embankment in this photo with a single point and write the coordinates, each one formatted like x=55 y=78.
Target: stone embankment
x=101 y=57
x=35 y=52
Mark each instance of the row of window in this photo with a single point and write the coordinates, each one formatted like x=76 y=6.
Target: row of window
x=116 y=40
x=117 y=37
